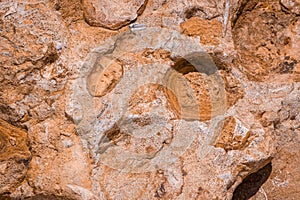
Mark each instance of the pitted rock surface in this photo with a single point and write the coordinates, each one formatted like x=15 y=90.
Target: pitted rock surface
x=145 y=112
x=14 y=156
x=179 y=99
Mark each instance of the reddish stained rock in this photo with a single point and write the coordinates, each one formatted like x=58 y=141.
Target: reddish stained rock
x=44 y=44
x=233 y=135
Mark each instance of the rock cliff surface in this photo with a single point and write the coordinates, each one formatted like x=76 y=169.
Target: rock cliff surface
x=150 y=99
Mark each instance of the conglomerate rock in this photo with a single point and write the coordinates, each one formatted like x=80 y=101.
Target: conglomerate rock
x=194 y=100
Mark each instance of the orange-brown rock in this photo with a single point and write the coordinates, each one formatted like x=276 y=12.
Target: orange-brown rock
x=194 y=100
x=264 y=36
x=233 y=135
x=112 y=15
x=200 y=87
x=14 y=156
x=209 y=30
x=14 y=144
x=285 y=176
x=70 y=10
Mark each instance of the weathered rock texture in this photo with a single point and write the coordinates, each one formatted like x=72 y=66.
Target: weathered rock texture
x=15 y=156
x=112 y=14
x=200 y=102
x=266 y=39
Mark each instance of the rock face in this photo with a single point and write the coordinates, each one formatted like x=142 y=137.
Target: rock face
x=15 y=156
x=112 y=14
x=269 y=52
x=196 y=100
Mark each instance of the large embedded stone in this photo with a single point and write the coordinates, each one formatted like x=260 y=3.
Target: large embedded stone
x=112 y=14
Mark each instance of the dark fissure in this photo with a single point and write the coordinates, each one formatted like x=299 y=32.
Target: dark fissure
x=251 y=184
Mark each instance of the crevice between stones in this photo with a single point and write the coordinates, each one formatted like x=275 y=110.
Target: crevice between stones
x=251 y=184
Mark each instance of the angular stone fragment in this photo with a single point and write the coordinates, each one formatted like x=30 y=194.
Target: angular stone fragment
x=233 y=135
x=112 y=14
x=233 y=87
x=141 y=140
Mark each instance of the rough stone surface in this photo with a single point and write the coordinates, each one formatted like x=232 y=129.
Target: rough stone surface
x=104 y=77
x=199 y=102
x=264 y=37
x=292 y=6
x=112 y=14
x=233 y=135
x=14 y=156
x=208 y=30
